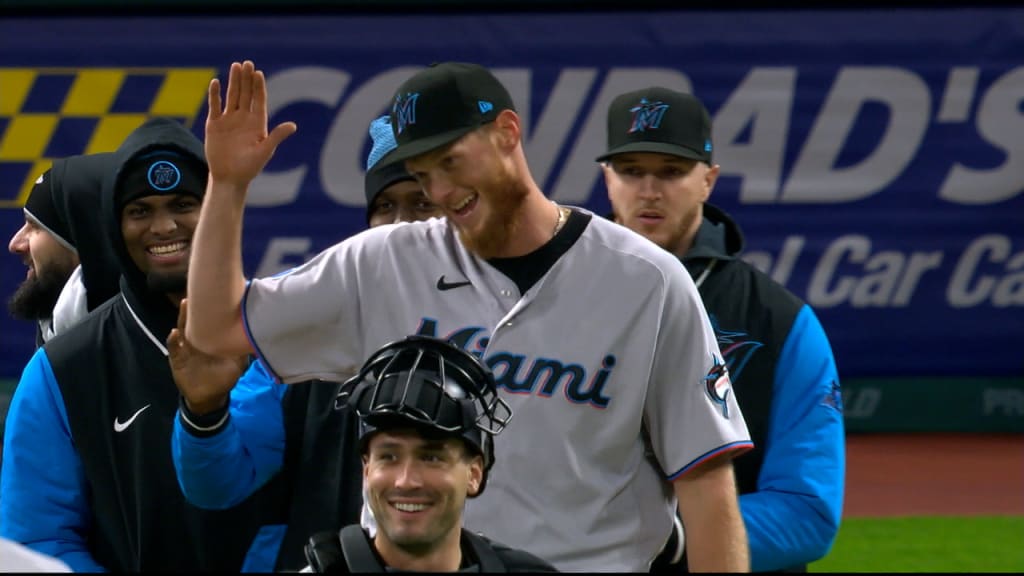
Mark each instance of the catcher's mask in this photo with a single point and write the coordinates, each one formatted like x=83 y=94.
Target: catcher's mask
x=430 y=385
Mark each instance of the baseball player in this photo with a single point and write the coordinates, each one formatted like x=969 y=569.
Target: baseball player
x=659 y=172
x=429 y=413
x=225 y=453
x=623 y=403
x=392 y=194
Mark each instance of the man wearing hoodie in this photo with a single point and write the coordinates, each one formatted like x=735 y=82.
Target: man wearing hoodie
x=77 y=187
x=88 y=476
x=64 y=246
x=45 y=246
x=70 y=267
x=659 y=174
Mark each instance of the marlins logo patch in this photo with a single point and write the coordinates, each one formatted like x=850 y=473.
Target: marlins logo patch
x=164 y=176
x=717 y=385
x=404 y=110
x=647 y=115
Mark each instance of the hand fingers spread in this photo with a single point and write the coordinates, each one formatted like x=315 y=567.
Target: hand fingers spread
x=182 y=314
x=173 y=340
x=259 y=95
x=234 y=87
x=213 y=100
x=245 y=90
x=280 y=132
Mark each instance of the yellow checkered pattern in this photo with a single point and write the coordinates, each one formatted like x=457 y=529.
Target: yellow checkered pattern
x=92 y=93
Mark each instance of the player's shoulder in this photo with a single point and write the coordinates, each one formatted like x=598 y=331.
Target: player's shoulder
x=632 y=249
x=740 y=275
x=400 y=234
x=84 y=339
x=517 y=560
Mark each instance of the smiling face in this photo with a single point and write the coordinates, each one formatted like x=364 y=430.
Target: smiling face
x=403 y=201
x=417 y=488
x=157 y=234
x=474 y=183
x=49 y=264
x=659 y=196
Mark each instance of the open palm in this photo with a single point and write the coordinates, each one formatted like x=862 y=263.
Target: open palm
x=238 y=145
x=203 y=379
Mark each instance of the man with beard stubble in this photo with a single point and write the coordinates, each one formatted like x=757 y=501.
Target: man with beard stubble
x=623 y=411
x=87 y=474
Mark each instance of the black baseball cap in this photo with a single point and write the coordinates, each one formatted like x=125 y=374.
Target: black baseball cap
x=380 y=177
x=442 y=103
x=657 y=119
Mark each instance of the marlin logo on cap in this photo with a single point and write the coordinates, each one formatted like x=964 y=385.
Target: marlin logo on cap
x=647 y=115
x=163 y=175
x=404 y=110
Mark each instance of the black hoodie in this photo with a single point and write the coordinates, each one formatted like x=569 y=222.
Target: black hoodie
x=120 y=399
x=77 y=184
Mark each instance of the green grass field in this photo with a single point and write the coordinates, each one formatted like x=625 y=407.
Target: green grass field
x=927 y=544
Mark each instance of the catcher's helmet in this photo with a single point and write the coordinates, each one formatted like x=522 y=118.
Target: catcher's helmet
x=431 y=385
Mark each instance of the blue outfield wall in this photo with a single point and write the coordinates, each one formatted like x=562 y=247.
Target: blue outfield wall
x=874 y=158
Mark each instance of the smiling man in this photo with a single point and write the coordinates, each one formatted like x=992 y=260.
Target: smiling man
x=429 y=413
x=43 y=244
x=87 y=473
x=623 y=411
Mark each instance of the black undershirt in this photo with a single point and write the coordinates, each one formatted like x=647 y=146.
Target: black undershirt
x=526 y=270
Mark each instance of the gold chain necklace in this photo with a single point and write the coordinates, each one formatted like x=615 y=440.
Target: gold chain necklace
x=563 y=215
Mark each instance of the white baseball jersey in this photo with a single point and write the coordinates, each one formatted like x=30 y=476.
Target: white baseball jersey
x=611 y=341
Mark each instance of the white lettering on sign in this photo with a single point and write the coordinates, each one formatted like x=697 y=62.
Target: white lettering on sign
x=751 y=130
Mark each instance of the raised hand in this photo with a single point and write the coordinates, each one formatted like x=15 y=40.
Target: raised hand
x=203 y=379
x=237 y=143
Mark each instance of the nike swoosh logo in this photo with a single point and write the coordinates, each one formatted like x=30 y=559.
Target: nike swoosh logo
x=119 y=427
x=442 y=285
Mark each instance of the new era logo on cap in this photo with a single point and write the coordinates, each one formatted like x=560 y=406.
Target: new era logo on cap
x=442 y=103
x=659 y=120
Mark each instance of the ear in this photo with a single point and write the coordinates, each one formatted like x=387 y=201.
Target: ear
x=710 y=178
x=606 y=169
x=507 y=130
x=476 y=476
x=366 y=466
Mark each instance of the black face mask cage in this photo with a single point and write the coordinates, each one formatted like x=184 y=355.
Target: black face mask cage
x=431 y=383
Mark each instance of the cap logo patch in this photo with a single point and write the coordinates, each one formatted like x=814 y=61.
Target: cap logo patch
x=404 y=110
x=484 y=106
x=647 y=115
x=707 y=145
x=163 y=175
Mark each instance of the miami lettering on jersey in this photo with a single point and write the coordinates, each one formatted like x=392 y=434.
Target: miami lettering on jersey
x=543 y=378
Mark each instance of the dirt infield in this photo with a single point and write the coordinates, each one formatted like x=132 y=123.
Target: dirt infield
x=934 y=474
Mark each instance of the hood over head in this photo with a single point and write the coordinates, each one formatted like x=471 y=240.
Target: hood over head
x=159 y=157
x=76 y=184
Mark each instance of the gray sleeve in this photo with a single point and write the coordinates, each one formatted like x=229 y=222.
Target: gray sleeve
x=302 y=322
x=690 y=411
